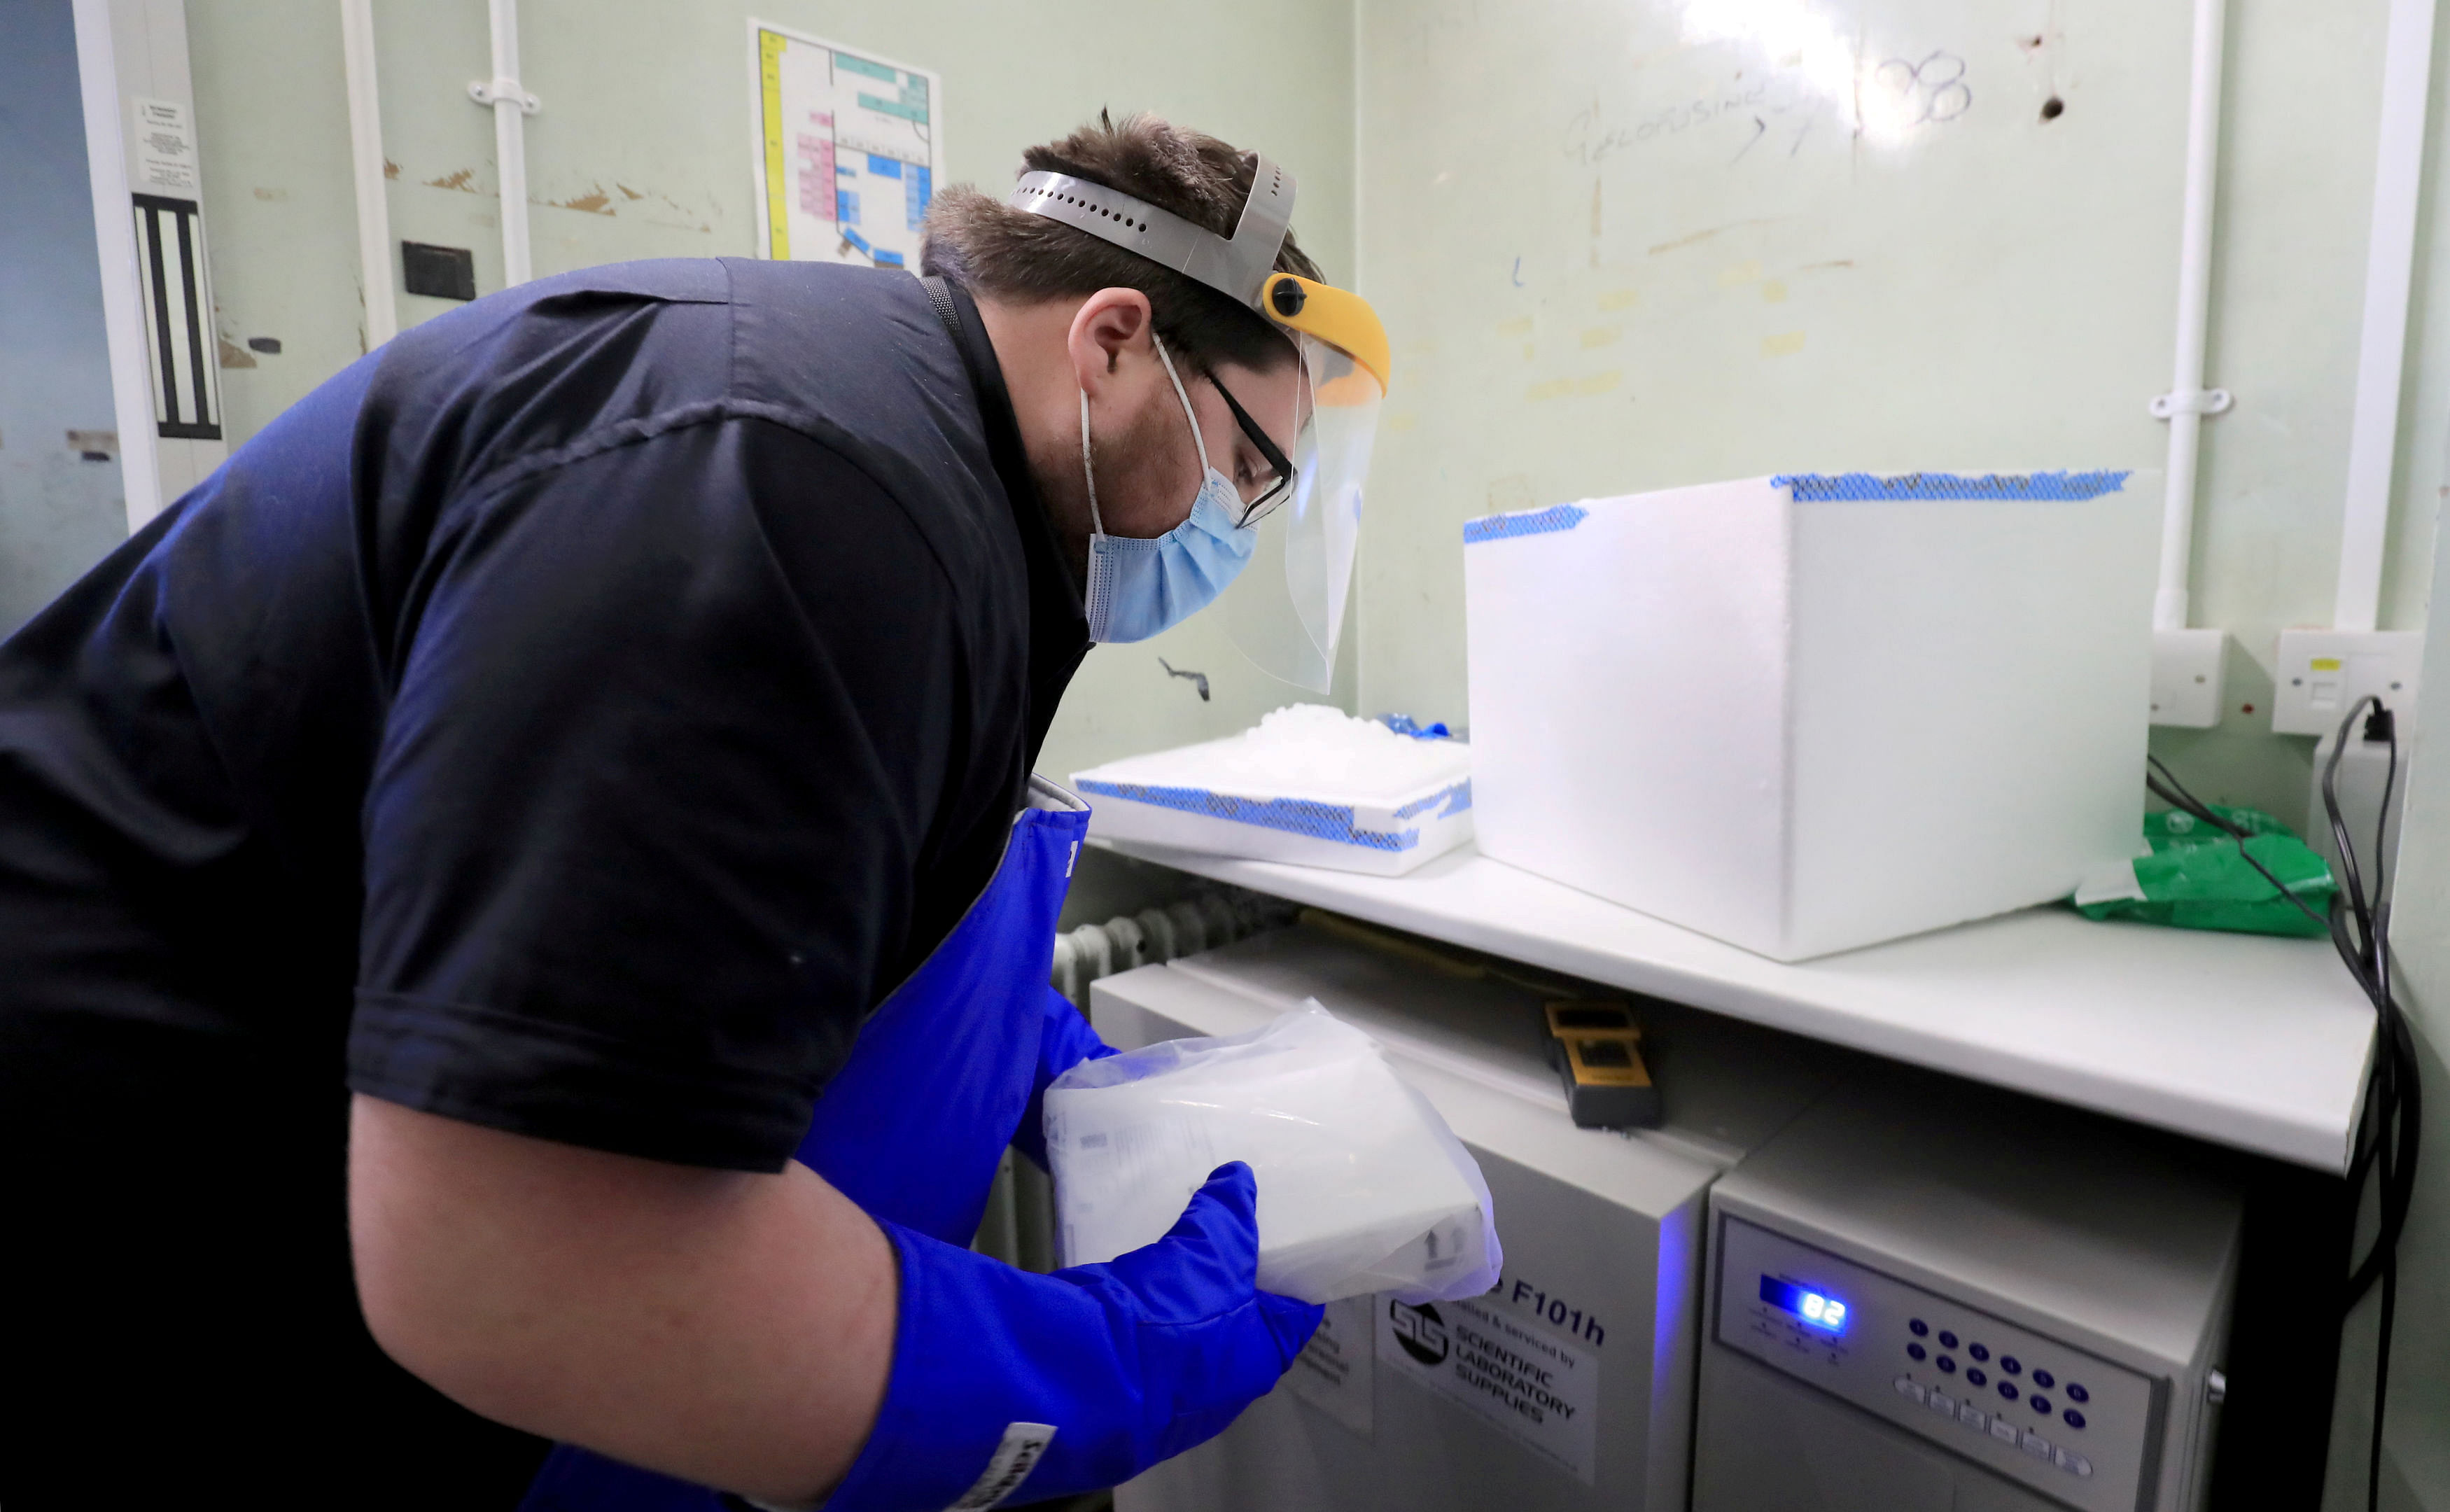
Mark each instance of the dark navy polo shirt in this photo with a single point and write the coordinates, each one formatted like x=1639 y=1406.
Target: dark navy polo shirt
x=573 y=718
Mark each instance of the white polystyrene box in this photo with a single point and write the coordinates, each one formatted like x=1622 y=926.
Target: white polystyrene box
x=1362 y=822
x=1803 y=714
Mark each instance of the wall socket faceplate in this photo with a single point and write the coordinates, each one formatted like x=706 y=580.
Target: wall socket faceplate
x=2187 y=676
x=2320 y=674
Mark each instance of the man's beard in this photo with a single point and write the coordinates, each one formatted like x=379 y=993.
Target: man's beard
x=1130 y=467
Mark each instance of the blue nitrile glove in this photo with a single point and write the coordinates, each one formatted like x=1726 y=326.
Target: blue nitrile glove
x=911 y=1130
x=938 y=1083
x=915 y=1123
x=1127 y=1362
x=1008 y=1384
x=1065 y=1042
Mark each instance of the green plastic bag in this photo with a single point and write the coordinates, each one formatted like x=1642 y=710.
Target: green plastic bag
x=2194 y=879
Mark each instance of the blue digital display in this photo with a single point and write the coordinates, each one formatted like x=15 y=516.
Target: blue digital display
x=1814 y=1308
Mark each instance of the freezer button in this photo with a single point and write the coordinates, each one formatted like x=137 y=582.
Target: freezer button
x=2074 y=1464
x=2033 y=1443
x=1907 y=1389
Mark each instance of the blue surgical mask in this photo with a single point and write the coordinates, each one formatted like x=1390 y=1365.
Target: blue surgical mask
x=1139 y=587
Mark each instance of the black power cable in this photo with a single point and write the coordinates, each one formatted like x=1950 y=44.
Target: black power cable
x=2359 y=925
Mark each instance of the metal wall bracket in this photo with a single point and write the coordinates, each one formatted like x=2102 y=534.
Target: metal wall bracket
x=487 y=92
x=2203 y=402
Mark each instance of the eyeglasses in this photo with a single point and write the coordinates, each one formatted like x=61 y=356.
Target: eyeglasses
x=1281 y=485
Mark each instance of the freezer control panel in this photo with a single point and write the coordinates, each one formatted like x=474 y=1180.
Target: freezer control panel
x=2067 y=1423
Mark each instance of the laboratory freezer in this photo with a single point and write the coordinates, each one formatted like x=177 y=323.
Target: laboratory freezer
x=1925 y=1296
x=1570 y=1386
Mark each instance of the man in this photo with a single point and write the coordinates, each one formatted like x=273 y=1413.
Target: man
x=567 y=767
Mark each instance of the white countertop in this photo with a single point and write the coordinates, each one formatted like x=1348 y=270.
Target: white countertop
x=2244 y=1040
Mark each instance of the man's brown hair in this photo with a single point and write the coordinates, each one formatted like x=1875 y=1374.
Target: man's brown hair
x=1008 y=254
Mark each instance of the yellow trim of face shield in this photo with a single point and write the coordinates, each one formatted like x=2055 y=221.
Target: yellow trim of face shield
x=1341 y=318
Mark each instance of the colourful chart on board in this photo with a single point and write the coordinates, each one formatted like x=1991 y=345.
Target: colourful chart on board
x=847 y=150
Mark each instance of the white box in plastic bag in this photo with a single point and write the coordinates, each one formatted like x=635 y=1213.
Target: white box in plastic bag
x=1361 y=1186
x=1811 y=713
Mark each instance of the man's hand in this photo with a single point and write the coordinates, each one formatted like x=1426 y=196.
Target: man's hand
x=1090 y=1375
x=731 y=1328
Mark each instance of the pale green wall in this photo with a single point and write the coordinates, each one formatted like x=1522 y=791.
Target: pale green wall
x=2289 y=282
x=1997 y=295
x=643 y=149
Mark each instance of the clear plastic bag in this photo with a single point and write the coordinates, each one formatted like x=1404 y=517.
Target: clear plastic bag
x=1362 y=1187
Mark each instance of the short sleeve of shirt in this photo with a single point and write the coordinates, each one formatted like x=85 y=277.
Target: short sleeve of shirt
x=669 y=730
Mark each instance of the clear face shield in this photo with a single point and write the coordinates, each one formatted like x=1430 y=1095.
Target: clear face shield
x=1286 y=611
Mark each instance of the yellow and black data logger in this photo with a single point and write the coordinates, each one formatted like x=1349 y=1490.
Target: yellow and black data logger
x=1597 y=1050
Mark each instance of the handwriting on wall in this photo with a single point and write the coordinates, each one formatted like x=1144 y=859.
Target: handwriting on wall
x=1931 y=92
x=1592 y=139
x=1779 y=112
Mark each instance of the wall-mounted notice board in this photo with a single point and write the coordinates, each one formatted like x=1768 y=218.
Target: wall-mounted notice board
x=848 y=149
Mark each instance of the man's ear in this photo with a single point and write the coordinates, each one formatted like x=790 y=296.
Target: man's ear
x=1108 y=323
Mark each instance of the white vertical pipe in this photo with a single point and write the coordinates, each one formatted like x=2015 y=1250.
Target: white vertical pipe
x=2390 y=255
x=114 y=234
x=366 y=157
x=2194 y=304
x=510 y=139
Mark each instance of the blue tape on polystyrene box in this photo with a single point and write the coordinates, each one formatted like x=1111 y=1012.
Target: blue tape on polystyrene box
x=2057 y=488
x=1530 y=522
x=1456 y=800
x=1296 y=816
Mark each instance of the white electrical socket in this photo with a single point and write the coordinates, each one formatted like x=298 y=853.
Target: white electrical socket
x=2187 y=676
x=2322 y=673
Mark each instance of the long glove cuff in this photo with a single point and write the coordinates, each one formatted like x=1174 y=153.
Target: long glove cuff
x=964 y=1376
x=1006 y=1383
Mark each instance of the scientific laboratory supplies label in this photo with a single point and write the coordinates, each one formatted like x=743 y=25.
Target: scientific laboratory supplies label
x=1334 y=1371
x=1532 y=1386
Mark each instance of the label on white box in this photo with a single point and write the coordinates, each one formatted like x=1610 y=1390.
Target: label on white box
x=1530 y=1386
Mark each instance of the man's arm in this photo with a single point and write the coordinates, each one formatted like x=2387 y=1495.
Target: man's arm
x=731 y=1328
